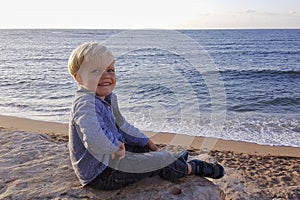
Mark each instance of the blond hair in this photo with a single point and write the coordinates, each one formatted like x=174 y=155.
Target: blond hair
x=85 y=52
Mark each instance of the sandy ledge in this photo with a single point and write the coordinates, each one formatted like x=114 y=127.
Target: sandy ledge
x=253 y=171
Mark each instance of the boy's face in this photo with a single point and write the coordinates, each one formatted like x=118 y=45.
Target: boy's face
x=107 y=82
x=97 y=76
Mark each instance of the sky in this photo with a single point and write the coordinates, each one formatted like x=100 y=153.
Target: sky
x=140 y=14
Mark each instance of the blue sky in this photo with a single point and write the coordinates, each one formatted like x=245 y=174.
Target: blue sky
x=170 y=14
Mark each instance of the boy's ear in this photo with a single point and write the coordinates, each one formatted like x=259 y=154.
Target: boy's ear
x=77 y=78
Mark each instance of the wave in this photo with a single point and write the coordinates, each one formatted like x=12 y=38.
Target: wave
x=225 y=50
x=19 y=82
x=260 y=72
x=243 y=108
x=15 y=105
x=42 y=59
x=281 y=101
x=67 y=96
x=278 y=52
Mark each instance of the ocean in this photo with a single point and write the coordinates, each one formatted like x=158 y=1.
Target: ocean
x=232 y=84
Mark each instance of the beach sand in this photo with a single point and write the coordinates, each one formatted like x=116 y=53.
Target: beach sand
x=252 y=171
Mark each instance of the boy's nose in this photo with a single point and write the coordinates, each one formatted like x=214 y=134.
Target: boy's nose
x=105 y=74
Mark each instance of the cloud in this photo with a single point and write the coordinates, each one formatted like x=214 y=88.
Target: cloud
x=271 y=13
x=292 y=12
x=255 y=12
x=249 y=11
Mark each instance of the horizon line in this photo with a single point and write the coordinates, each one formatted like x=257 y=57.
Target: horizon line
x=90 y=28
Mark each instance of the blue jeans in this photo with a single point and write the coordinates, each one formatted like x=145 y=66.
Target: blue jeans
x=137 y=166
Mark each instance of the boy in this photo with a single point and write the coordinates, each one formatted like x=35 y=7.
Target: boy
x=105 y=150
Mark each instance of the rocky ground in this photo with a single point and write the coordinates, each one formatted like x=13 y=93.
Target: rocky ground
x=37 y=166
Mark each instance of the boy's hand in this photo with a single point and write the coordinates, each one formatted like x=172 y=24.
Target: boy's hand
x=152 y=146
x=120 y=153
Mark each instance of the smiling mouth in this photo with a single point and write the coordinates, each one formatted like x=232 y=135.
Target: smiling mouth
x=104 y=84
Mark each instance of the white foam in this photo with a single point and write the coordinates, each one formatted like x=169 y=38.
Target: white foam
x=270 y=129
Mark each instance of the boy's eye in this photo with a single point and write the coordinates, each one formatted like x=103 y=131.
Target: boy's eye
x=97 y=72
x=110 y=70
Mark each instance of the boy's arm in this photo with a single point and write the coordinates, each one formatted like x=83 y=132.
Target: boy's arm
x=91 y=128
x=131 y=134
x=152 y=146
x=120 y=153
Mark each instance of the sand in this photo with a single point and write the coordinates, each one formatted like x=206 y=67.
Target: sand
x=253 y=171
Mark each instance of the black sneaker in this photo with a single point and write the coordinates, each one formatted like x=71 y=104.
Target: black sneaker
x=205 y=169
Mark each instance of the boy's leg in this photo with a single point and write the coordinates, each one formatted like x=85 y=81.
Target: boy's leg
x=136 y=149
x=144 y=162
x=136 y=166
x=175 y=170
x=111 y=179
x=172 y=170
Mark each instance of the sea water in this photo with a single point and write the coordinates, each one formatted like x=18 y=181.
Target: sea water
x=159 y=89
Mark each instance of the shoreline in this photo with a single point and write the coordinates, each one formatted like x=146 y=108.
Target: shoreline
x=60 y=132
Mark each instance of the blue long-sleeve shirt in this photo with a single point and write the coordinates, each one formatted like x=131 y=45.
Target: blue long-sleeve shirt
x=95 y=127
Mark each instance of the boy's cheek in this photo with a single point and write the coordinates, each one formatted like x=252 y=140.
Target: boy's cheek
x=92 y=85
x=89 y=82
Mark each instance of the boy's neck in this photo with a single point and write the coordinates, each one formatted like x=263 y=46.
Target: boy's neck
x=82 y=86
x=102 y=98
